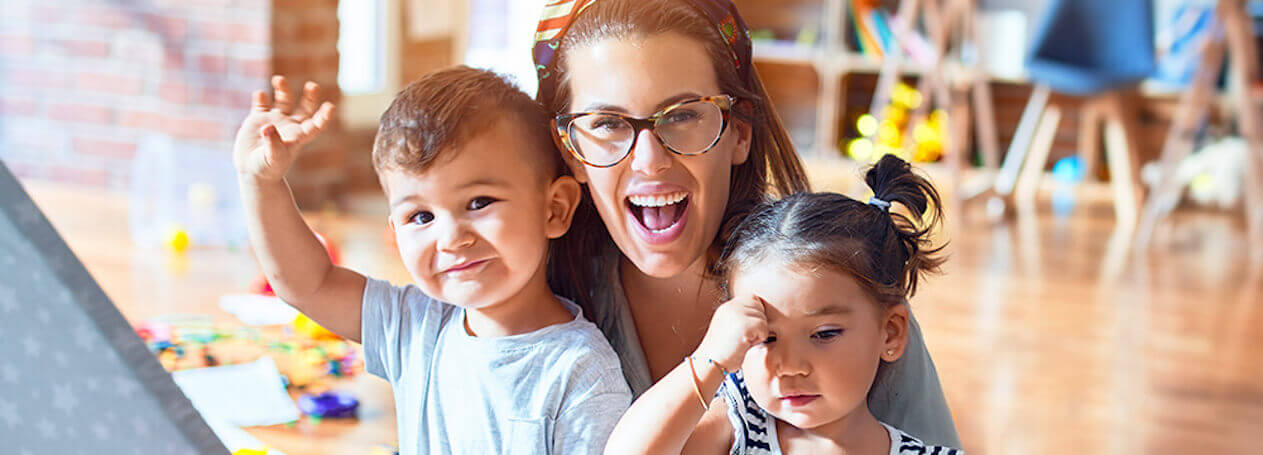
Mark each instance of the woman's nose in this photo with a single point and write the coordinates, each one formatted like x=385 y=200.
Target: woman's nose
x=649 y=156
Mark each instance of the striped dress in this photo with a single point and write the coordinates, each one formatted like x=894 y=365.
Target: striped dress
x=754 y=430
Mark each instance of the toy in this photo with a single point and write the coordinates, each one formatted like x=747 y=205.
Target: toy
x=328 y=405
x=176 y=239
x=889 y=136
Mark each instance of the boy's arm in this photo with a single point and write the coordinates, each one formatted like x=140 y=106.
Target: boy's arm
x=296 y=265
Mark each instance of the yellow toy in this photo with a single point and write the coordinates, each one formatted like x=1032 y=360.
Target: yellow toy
x=888 y=136
x=177 y=239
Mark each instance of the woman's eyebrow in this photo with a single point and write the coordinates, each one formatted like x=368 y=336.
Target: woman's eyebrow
x=606 y=107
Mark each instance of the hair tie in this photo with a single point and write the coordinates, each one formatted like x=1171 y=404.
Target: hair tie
x=879 y=203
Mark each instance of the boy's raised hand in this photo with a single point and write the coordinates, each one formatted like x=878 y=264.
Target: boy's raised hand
x=272 y=134
x=738 y=325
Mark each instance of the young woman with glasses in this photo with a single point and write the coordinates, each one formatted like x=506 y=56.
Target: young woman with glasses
x=667 y=124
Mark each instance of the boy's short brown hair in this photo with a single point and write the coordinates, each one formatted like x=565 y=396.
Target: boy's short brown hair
x=442 y=110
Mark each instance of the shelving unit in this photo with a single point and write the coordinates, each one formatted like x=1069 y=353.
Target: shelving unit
x=830 y=58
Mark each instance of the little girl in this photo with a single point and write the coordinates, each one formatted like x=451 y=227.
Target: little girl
x=818 y=284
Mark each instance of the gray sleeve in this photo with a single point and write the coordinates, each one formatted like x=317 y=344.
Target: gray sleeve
x=391 y=319
x=587 y=424
x=601 y=396
x=907 y=394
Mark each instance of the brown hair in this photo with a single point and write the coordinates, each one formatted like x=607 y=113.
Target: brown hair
x=772 y=167
x=885 y=251
x=442 y=110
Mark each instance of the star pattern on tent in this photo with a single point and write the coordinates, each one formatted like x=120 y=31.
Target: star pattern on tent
x=64 y=398
x=9 y=374
x=31 y=346
x=9 y=414
x=8 y=299
x=46 y=428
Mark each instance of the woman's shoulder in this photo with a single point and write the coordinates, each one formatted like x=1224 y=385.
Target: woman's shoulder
x=902 y=443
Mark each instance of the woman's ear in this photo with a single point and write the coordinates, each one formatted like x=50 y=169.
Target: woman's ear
x=894 y=331
x=745 y=133
x=563 y=198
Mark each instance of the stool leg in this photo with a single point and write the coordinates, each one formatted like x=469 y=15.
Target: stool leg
x=1089 y=143
x=1121 y=148
x=1192 y=109
x=1006 y=178
x=1033 y=169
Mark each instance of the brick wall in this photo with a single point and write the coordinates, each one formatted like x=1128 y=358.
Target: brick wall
x=81 y=82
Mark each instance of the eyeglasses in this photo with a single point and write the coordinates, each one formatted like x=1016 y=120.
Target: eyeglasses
x=604 y=139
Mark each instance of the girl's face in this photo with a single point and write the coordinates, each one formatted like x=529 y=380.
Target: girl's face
x=663 y=210
x=826 y=339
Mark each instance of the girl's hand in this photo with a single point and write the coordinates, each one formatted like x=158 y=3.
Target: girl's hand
x=271 y=135
x=738 y=325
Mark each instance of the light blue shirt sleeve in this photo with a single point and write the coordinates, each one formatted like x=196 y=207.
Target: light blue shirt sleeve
x=599 y=399
x=391 y=319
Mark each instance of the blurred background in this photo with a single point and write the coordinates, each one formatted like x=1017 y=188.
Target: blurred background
x=1103 y=161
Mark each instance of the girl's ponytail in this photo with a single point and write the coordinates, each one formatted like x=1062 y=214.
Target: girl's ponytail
x=892 y=180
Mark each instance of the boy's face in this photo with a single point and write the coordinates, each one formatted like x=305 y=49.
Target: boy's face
x=826 y=339
x=473 y=228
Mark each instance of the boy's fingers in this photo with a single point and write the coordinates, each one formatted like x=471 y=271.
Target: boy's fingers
x=260 y=101
x=318 y=120
x=310 y=101
x=276 y=146
x=284 y=99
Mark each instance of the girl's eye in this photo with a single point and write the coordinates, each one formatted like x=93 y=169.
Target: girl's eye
x=826 y=335
x=771 y=338
x=421 y=218
x=481 y=201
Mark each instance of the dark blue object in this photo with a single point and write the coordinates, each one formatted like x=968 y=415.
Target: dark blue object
x=1085 y=47
x=328 y=405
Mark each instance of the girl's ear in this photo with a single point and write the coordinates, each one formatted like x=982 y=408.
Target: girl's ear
x=894 y=332
x=563 y=198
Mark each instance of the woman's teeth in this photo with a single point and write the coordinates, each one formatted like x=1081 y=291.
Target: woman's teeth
x=657 y=200
x=659 y=212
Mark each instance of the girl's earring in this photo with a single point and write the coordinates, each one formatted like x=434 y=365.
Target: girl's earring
x=890 y=352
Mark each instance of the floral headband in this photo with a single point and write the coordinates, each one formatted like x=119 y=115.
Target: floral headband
x=558 y=15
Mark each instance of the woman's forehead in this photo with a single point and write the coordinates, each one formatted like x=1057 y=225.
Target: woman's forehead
x=639 y=75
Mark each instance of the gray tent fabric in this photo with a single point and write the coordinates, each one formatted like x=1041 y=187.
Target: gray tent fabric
x=74 y=376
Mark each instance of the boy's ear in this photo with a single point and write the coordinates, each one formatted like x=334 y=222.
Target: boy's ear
x=563 y=198
x=894 y=331
x=745 y=134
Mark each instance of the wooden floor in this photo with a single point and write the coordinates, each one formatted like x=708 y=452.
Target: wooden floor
x=1048 y=337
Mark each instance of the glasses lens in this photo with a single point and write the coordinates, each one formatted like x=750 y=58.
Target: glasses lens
x=601 y=139
x=691 y=128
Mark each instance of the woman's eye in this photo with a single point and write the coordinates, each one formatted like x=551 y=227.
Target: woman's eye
x=421 y=218
x=479 y=202
x=825 y=335
x=607 y=123
x=680 y=115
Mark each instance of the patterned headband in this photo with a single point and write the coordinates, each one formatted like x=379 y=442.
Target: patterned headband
x=558 y=15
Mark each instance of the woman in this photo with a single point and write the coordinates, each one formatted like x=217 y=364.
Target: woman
x=667 y=125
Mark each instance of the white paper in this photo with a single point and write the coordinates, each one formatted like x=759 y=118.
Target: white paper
x=246 y=395
x=258 y=310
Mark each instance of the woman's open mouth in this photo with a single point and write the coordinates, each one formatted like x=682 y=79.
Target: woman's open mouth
x=660 y=217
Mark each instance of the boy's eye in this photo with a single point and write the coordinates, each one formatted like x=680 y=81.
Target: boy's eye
x=825 y=335
x=421 y=218
x=480 y=202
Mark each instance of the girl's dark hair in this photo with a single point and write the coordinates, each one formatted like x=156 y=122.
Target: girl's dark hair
x=884 y=250
x=773 y=166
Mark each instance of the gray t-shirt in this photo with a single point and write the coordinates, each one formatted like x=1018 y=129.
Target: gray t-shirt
x=905 y=394
x=557 y=390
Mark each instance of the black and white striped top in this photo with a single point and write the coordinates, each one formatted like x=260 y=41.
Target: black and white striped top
x=754 y=430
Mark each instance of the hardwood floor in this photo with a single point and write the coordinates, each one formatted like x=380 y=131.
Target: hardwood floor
x=1042 y=346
